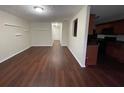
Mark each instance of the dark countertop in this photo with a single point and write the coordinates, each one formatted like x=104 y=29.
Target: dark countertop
x=92 y=43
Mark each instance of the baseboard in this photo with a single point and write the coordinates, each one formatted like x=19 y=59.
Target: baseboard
x=41 y=45
x=76 y=58
x=64 y=44
x=14 y=54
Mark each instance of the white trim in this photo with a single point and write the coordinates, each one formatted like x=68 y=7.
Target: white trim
x=76 y=58
x=13 y=55
x=36 y=45
x=42 y=45
x=64 y=44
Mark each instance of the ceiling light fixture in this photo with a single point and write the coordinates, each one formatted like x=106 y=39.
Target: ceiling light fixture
x=39 y=9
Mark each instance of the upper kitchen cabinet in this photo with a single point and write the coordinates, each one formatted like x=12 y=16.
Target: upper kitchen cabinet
x=91 y=24
x=100 y=29
x=119 y=27
x=115 y=27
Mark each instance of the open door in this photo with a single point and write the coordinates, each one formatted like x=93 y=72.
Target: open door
x=57 y=31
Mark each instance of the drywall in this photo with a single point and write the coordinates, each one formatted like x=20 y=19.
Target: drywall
x=77 y=45
x=41 y=34
x=14 y=35
x=65 y=32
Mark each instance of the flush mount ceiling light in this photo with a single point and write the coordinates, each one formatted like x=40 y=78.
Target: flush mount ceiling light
x=39 y=9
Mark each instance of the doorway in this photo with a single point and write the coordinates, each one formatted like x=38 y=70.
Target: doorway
x=57 y=32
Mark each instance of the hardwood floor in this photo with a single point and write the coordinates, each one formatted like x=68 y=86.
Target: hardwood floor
x=54 y=67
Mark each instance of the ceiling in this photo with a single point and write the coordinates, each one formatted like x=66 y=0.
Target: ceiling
x=51 y=12
x=107 y=12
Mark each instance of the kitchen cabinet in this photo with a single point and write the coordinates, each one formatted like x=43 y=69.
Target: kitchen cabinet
x=91 y=24
x=115 y=50
x=118 y=27
x=99 y=28
x=91 y=56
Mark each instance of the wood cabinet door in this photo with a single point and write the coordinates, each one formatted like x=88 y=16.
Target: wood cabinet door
x=91 y=55
x=91 y=24
x=119 y=27
x=99 y=28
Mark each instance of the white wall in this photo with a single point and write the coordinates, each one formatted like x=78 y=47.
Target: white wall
x=65 y=32
x=13 y=40
x=41 y=34
x=78 y=45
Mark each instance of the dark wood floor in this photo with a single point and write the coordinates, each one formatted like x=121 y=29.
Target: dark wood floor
x=55 y=66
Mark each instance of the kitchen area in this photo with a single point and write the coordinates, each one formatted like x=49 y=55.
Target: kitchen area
x=106 y=36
